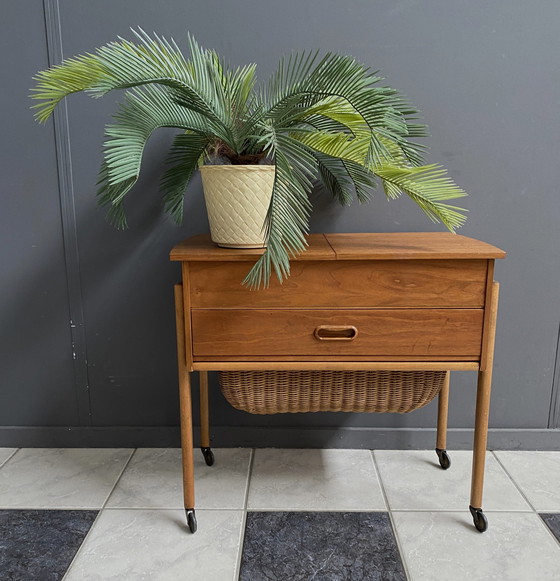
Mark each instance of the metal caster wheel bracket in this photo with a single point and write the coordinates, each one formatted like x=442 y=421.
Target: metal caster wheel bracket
x=444 y=459
x=479 y=519
x=208 y=456
x=191 y=519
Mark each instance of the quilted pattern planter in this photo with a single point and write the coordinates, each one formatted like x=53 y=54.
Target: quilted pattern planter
x=237 y=200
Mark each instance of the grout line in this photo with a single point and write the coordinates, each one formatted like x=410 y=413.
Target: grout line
x=378 y=472
x=244 y=517
x=462 y=510
x=534 y=510
x=393 y=524
x=9 y=457
x=514 y=483
x=118 y=479
x=284 y=509
x=99 y=511
x=545 y=524
x=98 y=508
x=167 y=508
x=249 y=476
x=79 y=550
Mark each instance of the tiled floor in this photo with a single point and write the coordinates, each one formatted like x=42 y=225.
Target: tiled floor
x=267 y=514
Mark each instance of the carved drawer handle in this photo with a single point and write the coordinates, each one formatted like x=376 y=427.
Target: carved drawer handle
x=336 y=332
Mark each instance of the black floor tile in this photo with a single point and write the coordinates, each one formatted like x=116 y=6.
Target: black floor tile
x=39 y=545
x=323 y=546
x=553 y=522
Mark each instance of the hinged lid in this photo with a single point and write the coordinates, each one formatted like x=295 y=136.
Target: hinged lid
x=361 y=246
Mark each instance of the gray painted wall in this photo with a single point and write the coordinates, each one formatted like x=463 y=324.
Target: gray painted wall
x=87 y=323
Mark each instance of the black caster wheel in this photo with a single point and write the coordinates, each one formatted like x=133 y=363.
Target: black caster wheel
x=208 y=456
x=479 y=519
x=191 y=519
x=444 y=460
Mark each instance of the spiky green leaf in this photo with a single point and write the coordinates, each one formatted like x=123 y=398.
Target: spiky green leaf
x=429 y=186
x=325 y=118
x=183 y=157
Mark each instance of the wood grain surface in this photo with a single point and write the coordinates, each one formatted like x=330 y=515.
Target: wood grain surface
x=333 y=364
x=385 y=283
x=429 y=332
x=361 y=246
x=201 y=247
x=410 y=245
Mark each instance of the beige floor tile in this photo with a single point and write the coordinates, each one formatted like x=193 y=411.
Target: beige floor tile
x=153 y=479
x=538 y=476
x=314 y=480
x=442 y=546
x=60 y=478
x=5 y=454
x=154 y=545
x=414 y=480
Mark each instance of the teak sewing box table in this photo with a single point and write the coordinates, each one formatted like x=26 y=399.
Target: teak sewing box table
x=409 y=302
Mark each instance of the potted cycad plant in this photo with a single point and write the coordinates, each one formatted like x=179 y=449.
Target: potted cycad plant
x=324 y=118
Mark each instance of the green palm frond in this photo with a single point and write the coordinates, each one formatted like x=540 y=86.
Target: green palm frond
x=335 y=115
x=428 y=186
x=325 y=118
x=107 y=193
x=123 y=65
x=364 y=181
x=184 y=157
x=392 y=191
x=240 y=84
x=300 y=84
x=335 y=178
x=71 y=76
x=288 y=215
x=142 y=112
x=338 y=145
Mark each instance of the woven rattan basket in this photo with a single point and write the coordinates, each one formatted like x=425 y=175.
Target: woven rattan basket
x=277 y=392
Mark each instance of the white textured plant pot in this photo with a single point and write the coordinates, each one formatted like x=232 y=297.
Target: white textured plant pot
x=237 y=200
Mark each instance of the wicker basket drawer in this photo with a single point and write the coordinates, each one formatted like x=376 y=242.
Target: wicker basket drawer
x=279 y=392
x=343 y=332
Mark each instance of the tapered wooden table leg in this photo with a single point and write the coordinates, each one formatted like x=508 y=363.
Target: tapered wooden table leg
x=187 y=448
x=479 y=448
x=205 y=420
x=441 y=441
x=185 y=406
x=481 y=420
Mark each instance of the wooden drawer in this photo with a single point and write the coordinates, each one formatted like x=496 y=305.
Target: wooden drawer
x=301 y=332
x=347 y=283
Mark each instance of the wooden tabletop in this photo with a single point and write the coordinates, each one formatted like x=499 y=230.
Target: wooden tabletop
x=362 y=246
x=409 y=245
